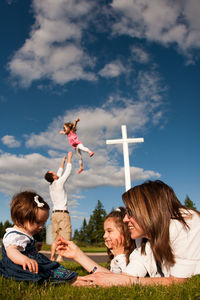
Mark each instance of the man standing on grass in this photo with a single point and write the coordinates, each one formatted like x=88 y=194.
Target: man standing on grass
x=61 y=223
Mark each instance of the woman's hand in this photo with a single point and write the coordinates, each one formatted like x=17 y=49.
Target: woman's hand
x=106 y=280
x=67 y=248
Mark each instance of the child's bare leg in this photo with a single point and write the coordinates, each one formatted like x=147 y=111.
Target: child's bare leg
x=78 y=153
x=85 y=149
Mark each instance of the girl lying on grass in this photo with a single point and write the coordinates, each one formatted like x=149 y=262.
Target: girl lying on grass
x=20 y=258
x=117 y=240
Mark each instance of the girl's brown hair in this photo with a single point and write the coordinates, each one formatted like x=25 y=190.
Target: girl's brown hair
x=129 y=244
x=70 y=125
x=153 y=204
x=24 y=208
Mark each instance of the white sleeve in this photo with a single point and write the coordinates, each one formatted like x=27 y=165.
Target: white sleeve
x=18 y=240
x=60 y=171
x=66 y=173
x=118 y=264
x=185 y=244
x=136 y=266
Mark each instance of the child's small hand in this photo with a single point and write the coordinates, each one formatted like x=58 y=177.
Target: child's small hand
x=62 y=132
x=31 y=264
x=77 y=120
x=67 y=248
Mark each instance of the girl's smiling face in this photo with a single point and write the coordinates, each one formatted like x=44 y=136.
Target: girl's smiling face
x=112 y=235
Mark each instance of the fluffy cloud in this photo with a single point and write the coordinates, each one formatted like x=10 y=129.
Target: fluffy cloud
x=10 y=141
x=163 y=21
x=53 y=49
x=139 y=55
x=112 y=69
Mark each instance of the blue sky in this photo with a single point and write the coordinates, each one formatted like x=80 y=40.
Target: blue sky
x=110 y=63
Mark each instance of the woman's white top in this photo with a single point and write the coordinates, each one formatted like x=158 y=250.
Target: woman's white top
x=185 y=245
x=18 y=240
x=118 y=264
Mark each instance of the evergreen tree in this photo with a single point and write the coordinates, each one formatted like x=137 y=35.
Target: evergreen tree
x=83 y=232
x=188 y=202
x=1 y=230
x=76 y=235
x=95 y=228
x=6 y=225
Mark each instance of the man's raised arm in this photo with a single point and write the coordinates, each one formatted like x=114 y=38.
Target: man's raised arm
x=68 y=169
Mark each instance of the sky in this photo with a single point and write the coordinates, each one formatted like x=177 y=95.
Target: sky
x=110 y=63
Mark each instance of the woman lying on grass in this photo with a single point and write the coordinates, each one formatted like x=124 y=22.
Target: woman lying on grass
x=167 y=236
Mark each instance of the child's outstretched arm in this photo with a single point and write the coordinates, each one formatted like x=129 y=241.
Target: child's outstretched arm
x=20 y=259
x=62 y=132
x=75 y=123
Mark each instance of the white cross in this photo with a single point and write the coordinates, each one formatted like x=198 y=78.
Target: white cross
x=125 y=141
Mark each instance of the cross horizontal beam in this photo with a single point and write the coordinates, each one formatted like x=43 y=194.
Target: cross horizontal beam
x=121 y=141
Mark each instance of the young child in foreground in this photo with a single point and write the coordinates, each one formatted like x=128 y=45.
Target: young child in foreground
x=69 y=129
x=117 y=240
x=20 y=258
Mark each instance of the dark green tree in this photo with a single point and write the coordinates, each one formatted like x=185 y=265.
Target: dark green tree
x=6 y=225
x=95 y=228
x=189 y=203
x=1 y=230
x=83 y=232
x=76 y=235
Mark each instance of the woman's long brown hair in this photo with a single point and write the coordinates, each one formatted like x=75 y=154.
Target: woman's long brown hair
x=153 y=204
x=129 y=244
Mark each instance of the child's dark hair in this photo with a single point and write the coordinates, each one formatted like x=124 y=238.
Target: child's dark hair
x=129 y=244
x=49 y=177
x=70 y=125
x=24 y=208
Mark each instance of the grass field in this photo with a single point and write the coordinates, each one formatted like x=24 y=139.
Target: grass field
x=20 y=291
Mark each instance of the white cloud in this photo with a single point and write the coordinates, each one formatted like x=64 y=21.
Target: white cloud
x=10 y=141
x=139 y=55
x=163 y=21
x=112 y=69
x=54 y=49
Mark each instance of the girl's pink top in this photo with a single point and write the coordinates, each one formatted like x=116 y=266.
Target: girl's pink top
x=73 y=139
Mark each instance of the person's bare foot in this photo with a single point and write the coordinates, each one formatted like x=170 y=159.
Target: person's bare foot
x=80 y=171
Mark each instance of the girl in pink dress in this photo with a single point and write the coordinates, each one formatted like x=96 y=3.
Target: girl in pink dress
x=69 y=129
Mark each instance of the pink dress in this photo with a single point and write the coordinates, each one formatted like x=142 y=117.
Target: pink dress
x=73 y=139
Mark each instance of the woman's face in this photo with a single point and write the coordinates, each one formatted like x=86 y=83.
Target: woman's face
x=112 y=235
x=134 y=228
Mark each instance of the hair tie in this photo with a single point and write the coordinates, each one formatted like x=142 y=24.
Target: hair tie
x=118 y=209
x=39 y=204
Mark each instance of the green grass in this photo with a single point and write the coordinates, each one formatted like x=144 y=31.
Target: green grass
x=22 y=291
x=84 y=249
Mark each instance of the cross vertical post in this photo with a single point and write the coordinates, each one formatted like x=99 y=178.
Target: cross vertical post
x=125 y=141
